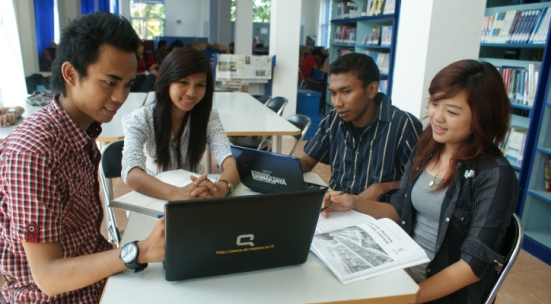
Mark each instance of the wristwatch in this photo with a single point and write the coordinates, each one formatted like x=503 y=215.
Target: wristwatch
x=230 y=186
x=129 y=256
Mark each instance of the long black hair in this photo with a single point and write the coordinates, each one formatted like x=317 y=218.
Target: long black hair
x=179 y=64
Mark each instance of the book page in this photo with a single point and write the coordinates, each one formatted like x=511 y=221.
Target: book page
x=366 y=250
x=338 y=220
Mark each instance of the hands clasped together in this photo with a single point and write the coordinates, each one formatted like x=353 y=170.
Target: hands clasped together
x=201 y=187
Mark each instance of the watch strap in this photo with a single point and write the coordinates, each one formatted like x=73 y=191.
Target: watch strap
x=137 y=267
x=230 y=185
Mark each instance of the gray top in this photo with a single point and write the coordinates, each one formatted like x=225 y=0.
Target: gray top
x=140 y=148
x=428 y=206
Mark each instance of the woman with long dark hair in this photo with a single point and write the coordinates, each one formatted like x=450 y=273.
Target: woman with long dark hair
x=172 y=132
x=459 y=195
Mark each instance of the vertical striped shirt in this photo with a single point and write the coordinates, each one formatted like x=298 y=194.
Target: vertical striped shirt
x=378 y=155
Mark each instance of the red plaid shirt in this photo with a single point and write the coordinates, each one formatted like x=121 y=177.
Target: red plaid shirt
x=49 y=192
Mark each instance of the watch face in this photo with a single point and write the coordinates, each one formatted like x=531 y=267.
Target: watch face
x=128 y=253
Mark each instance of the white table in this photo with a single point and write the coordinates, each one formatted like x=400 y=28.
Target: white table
x=243 y=115
x=306 y=283
x=112 y=130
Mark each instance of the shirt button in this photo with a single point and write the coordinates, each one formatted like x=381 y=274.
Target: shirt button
x=406 y=195
x=428 y=270
x=447 y=219
x=403 y=222
x=437 y=246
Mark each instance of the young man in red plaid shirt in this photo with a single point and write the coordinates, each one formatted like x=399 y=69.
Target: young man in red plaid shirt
x=50 y=211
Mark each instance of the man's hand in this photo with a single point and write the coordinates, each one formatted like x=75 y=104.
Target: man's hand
x=7 y=119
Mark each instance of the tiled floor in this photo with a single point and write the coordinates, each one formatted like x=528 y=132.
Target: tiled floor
x=529 y=281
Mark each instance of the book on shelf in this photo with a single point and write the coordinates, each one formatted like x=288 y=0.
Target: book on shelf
x=516 y=27
x=521 y=84
x=386 y=35
x=144 y=204
x=352 y=9
x=355 y=246
x=366 y=10
x=381 y=60
x=514 y=143
x=389 y=7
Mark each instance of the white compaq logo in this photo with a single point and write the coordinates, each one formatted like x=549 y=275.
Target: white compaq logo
x=248 y=237
x=267 y=178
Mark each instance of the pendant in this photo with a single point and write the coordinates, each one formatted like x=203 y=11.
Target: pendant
x=431 y=183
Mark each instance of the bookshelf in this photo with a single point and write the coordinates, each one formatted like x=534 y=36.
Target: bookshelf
x=373 y=33
x=534 y=205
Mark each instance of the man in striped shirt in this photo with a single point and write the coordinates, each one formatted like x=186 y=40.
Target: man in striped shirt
x=364 y=139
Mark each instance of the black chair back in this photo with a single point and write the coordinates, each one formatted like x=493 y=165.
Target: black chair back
x=262 y=98
x=111 y=159
x=277 y=104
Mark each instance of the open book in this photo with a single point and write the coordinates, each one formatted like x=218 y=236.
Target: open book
x=141 y=203
x=355 y=246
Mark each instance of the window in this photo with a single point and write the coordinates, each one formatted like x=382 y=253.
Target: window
x=325 y=24
x=148 y=17
x=261 y=10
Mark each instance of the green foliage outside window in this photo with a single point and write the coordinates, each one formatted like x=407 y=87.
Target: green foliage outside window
x=148 y=19
x=261 y=10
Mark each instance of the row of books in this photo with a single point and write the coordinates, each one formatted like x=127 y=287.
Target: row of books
x=380 y=35
x=521 y=83
x=378 y=7
x=517 y=27
x=514 y=144
x=381 y=59
x=345 y=34
x=349 y=9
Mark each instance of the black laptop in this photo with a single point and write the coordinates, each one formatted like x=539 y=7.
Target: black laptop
x=222 y=236
x=268 y=172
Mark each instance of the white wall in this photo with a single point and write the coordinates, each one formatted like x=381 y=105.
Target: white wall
x=432 y=34
x=244 y=27
x=24 y=13
x=309 y=19
x=187 y=18
x=284 y=43
x=13 y=89
x=68 y=10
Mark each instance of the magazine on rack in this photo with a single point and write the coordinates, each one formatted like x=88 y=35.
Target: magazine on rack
x=355 y=246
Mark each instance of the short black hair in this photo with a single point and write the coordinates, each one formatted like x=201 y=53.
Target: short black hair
x=161 y=43
x=175 y=44
x=81 y=39
x=316 y=52
x=362 y=65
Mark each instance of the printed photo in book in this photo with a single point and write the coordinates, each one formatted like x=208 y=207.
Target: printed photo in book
x=356 y=247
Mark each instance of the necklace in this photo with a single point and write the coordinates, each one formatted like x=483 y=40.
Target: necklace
x=431 y=183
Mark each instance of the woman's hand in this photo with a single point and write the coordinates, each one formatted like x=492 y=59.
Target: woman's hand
x=203 y=187
x=335 y=202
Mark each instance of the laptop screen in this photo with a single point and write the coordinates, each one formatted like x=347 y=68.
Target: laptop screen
x=268 y=172
x=237 y=234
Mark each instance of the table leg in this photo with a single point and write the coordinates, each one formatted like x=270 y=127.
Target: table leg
x=276 y=144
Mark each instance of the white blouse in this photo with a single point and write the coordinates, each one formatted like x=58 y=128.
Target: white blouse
x=140 y=148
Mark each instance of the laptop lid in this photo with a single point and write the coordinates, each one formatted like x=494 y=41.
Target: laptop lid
x=268 y=172
x=213 y=237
